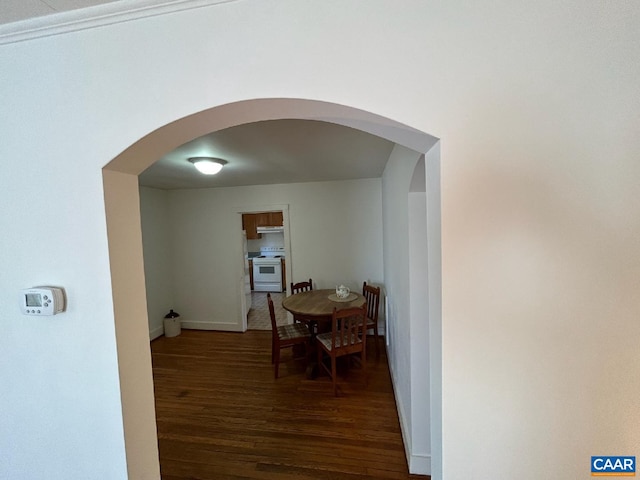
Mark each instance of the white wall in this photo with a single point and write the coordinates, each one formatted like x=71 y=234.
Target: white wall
x=536 y=105
x=273 y=239
x=335 y=231
x=156 y=241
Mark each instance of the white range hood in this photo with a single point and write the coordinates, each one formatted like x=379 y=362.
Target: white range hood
x=270 y=229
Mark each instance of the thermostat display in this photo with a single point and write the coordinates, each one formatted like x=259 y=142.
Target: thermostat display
x=42 y=301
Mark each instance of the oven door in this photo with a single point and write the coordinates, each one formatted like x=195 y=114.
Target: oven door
x=267 y=276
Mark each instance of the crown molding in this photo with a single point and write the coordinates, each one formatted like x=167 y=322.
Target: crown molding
x=95 y=16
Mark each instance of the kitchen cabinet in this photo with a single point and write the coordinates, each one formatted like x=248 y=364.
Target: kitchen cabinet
x=268 y=219
x=249 y=225
x=276 y=219
x=251 y=221
x=261 y=219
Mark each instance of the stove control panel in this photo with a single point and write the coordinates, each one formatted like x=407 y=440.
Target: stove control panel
x=272 y=251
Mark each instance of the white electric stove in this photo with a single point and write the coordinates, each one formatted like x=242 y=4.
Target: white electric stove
x=267 y=270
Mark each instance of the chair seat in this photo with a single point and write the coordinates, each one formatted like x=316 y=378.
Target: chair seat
x=325 y=340
x=295 y=330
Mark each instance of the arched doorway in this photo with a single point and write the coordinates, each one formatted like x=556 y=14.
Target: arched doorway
x=125 y=242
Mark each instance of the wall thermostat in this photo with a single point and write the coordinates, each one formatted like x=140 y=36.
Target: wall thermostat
x=42 y=301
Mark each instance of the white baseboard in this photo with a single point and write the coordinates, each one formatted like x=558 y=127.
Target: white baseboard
x=225 y=327
x=156 y=332
x=191 y=325
x=420 y=464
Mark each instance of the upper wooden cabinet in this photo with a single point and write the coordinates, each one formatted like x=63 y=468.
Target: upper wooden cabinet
x=262 y=219
x=251 y=221
x=249 y=225
x=277 y=218
x=269 y=219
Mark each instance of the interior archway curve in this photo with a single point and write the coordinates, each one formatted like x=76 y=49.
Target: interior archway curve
x=148 y=149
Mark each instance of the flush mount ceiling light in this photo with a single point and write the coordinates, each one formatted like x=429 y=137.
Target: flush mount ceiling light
x=208 y=165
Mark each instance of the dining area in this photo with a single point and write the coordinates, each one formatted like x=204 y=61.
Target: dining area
x=221 y=413
x=332 y=331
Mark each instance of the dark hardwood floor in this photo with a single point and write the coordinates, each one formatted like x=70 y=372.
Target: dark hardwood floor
x=222 y=415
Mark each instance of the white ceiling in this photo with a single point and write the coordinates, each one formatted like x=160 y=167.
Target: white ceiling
x=17 y=10
x=270 y=152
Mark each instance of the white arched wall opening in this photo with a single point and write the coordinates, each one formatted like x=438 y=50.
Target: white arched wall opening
x=120 y=178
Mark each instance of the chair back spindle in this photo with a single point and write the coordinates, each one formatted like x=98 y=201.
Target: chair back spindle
x=347 y=336
x=301 y=287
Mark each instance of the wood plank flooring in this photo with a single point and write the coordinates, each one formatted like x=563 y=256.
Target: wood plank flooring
x=222 y=415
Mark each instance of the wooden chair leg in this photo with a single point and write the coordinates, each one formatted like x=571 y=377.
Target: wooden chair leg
x=334 y=376
x=364 y=363
x=277 y=354
x=319 y=358
x=273 y=352
x=375 y=341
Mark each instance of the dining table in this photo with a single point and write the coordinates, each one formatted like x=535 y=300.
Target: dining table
x=315 y=307
x=318 y=305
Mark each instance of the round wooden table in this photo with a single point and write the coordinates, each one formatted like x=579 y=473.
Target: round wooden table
x=318 y=305
x=315 y=306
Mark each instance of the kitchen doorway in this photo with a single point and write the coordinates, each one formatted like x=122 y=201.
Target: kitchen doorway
x=258 y=317
x=266 y=263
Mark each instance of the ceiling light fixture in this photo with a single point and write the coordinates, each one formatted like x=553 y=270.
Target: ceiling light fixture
x=208 y=165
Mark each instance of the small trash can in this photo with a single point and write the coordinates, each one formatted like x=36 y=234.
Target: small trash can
x=172 y=326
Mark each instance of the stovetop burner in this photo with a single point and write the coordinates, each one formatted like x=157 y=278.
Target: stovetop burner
x=271 y=252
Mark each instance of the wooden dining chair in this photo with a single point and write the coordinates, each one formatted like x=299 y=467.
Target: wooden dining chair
x=348 y=336
x=285 y=336
x=372 y=296
x=299 y=288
